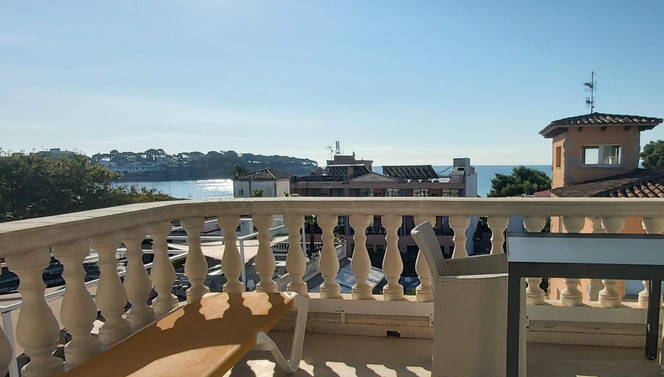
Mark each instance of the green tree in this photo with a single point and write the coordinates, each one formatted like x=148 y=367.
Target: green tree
x=523 y=180
x=311 y=221
x=34 y=186
x=239 y=170
x=257 y=193
x=652 y=155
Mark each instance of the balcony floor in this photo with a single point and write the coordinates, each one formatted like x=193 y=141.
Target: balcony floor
x=341 y=356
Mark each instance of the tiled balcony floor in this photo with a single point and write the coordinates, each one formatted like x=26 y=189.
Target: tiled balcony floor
x=341 y=356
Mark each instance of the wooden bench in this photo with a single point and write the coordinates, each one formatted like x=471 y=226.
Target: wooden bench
x=204 y=338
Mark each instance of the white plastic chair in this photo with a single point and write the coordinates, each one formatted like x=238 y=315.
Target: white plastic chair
x=470 y=310
x=265 y=343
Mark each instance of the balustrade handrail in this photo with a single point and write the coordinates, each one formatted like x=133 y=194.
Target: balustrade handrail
x=43 y=232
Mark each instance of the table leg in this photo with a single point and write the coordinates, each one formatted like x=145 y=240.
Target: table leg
x=513 y=324
x=652 y=326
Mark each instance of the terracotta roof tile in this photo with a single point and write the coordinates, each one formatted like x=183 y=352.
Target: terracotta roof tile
x=599 y=120
x=639 y=183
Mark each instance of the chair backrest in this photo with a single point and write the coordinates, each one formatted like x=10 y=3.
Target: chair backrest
x=426 y=240
x=428 y=243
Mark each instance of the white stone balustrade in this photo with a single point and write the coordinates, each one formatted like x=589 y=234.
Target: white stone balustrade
x=111 y=296
x=295 y=262
x=163 y=273
x=231 y=262
x=329 y=264
x=265 y=262
x=137 y=281
x=25 y=247
x=196 y=266
x=424 y=291
x=392 y=264
x=78 y=310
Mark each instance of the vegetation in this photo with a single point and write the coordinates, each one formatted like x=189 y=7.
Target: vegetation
x=652 y=155
x=37 y=185
x=523 y=180
x=156 y=164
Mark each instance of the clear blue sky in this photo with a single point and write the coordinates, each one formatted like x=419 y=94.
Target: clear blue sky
x=395 y=81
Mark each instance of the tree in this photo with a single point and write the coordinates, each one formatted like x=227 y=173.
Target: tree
x=35 y=185
x=523 y=180
x=311 y=221
x=257 y=193
x=239 y=171
x=652 y=155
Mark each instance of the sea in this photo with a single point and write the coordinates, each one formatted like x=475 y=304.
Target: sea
x=223 y=188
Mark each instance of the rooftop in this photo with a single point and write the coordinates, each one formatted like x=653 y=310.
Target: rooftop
x=559 y=126
x=640 y=183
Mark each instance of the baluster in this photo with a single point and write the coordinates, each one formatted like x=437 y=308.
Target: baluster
x=328 y=264
x=571 y=295
x=295 y=262
x=595 y=284
x=195 y=267
x=610 y=296
x=498 y=224
x=78 y=311
x=361 y=264
x=424 y=291
x=265 y=262
x=111 y=296
x=392 y=263
x=37 y=330
x=137 y=281
x=6 y=353
x=459 y=224
x=535 y=295
x=231 y=262
x=162 y=272
x=652 y=225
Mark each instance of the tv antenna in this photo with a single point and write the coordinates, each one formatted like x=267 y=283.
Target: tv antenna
x=591 y=86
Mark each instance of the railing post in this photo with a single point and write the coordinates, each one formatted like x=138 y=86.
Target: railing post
x=424 y=291
x=652 y=225
x=610 y=297
x=78 y=311
x=328 y=263
x=392 y=263
x=231 y=262
x=137 y=281
x=265 y=262
x=595 y=284
x=162 y=272
x=195 y=267
x=534 y=294
x=498 y=224
x=37 y=330
x=571 y=295
x=7 y=355
x=459 y=224
x=295 y=262
x=361 y=264
x=111 y=296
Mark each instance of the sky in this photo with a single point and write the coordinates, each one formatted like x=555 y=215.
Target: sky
x=398 y=82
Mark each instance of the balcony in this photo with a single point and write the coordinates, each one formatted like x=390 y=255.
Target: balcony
x=603 y=328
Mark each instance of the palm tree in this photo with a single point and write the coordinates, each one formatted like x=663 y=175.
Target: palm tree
x=239 y=170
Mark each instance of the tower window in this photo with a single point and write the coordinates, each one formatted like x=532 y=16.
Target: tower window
x=559 y=156
x=602 y=155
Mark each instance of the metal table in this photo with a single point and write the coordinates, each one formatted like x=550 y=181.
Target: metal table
x=603 y=256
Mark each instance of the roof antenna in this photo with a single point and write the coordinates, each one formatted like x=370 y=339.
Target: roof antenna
x=590 y=87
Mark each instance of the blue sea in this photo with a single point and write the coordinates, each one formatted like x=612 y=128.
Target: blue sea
x=223 y=188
